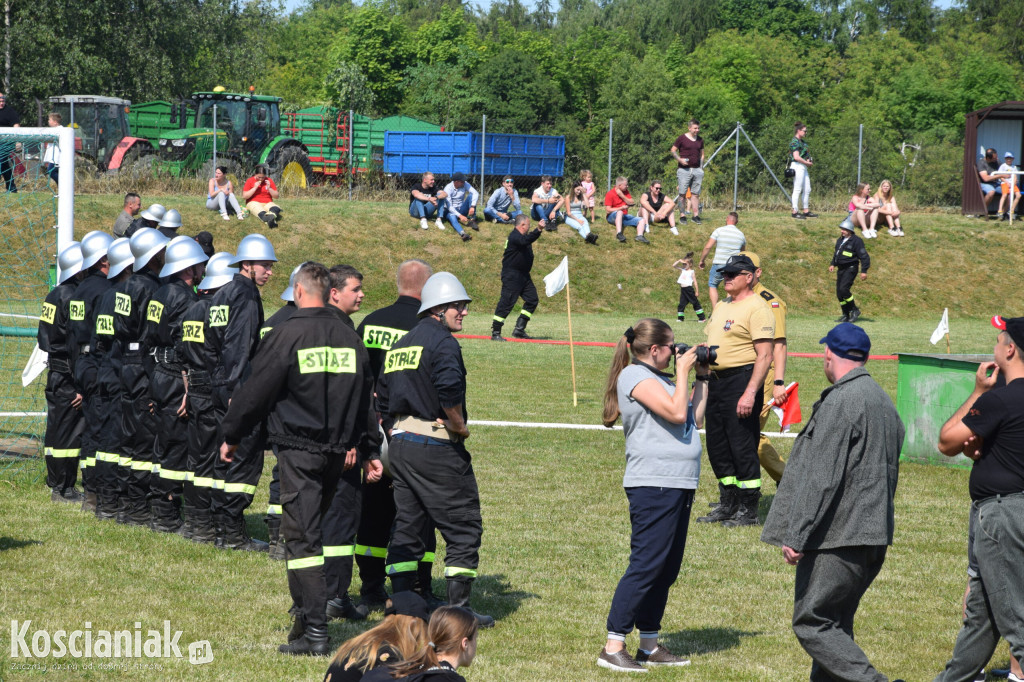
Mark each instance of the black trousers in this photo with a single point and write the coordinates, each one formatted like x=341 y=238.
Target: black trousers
x=86 y=371
x=515 y=285
x=845 y=277
x=108 y=447
x=375 y=524
x=235 y=483
x=688 y=296
x=340 y=524
x=274 y=489
x=139 y=426
x=63 y=438
x=7 y=169
x=171 y=443
x=829 y=587
x=731 y=441
x=434 y=481
x=308 y=484
x=203 y=449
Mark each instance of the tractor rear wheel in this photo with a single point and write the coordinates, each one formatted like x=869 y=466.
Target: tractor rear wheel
x=291 y=168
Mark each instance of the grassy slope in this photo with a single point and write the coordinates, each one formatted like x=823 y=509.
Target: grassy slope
x=556 y=527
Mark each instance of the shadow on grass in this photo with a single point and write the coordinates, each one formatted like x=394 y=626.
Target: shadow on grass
x=11 y=543
x=763 y=506
x=704 y=640
x=494 y=595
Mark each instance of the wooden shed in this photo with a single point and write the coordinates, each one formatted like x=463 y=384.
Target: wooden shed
x=1000 y=126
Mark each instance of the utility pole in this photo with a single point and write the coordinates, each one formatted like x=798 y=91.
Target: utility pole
x=7 y=46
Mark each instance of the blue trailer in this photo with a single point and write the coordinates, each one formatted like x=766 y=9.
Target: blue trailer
x=416 y=152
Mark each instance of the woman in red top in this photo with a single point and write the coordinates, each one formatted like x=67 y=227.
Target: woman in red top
x=259 y=194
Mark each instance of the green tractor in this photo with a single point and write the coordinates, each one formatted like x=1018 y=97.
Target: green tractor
x=247 y=130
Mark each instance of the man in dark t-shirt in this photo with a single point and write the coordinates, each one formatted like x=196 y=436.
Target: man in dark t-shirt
x=989 y=428
x=9 y=118
x=425 y=201
x=991 y=183
x=688 y=151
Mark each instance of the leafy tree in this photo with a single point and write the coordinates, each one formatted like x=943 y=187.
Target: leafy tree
x=346 y=88
x=516 y=97
x=378 y=43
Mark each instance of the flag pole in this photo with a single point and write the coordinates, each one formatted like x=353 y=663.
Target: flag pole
x=947 y=344
x=572 y=355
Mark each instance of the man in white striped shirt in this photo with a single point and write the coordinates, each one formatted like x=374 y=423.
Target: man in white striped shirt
x=730 y=242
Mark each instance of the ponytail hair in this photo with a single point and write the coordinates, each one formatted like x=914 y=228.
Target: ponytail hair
x=797 y=127
x=638 y=339
x=449 y=625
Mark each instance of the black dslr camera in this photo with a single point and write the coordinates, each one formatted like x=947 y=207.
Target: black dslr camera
x=706 y=355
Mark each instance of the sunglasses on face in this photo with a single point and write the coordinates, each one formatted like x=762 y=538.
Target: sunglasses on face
x=734 y=275
x=460 y=307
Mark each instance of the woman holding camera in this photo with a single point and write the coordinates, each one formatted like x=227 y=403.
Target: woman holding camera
x=663 y=450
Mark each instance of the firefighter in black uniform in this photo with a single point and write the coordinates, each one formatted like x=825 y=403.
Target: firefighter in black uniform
x=203 y=422
x=273 y=518
x=422 y=390
x=341 y=521
x=183 y=268
x=848 y=255
x=232 y=334
x=111 y=459
x=516 y=263
x=82 y=310
x=137 y=420
x=380 y=330
x=63 y=439
x=298 y=364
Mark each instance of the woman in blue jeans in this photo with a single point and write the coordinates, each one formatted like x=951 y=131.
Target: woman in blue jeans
x=663 y=451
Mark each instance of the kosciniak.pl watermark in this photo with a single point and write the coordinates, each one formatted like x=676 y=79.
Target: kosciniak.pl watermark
x=88 y=643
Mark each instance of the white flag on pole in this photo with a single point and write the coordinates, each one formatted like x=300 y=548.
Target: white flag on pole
x=943 y=327
x=35 y=366
x=556 y=280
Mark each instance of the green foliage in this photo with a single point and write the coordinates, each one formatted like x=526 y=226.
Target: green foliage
x=511 y=90
x=347 y=88
x=378 y=43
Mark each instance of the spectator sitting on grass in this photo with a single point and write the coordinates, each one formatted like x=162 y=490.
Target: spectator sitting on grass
x=887 y=207
x=220 y=194
x=656 y=207
x=546 y=202
x=427 y=201
x=577 y=205
x=864 y=210
x=461 y=201
x=616 y=202
x=503 y=206
x=259 y=194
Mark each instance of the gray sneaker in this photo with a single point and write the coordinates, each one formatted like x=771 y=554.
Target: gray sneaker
x=620 y=661
x=660 y=656
x=642 y=239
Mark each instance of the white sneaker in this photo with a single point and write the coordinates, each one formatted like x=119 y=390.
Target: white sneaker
x=439 y=224
x=675 y=231
x=423 y=224
x=241 y=216
x=894 y=232
x=225 y=216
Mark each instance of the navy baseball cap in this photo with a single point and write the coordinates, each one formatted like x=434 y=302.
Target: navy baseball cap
x=407 y=603
x=737 y=264
x=848 y=341
x=458 y=176
x=1014 y=326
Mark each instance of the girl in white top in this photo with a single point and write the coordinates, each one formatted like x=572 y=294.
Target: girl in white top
x=887 y=207
x=220 y=194
x=688 y=292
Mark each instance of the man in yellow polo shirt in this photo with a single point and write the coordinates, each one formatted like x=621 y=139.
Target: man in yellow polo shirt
x=774 y=381
x=743 y=329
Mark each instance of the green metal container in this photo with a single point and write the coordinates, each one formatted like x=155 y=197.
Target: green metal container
x=930 y=388
x=152 y=120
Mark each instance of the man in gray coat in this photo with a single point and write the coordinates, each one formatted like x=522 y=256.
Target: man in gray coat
x=833 y=513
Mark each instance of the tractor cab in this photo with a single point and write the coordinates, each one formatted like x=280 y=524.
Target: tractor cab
x=100 y=124
x=248 y=121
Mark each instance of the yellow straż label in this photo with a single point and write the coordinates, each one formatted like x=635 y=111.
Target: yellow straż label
x=326 y=359
x=193 y=332
x=49 y=312
x=155 y=312
x=403 y=358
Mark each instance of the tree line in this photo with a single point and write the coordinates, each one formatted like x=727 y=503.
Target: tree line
x=905 y=69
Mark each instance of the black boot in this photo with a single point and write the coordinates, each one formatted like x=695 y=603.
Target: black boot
x=313 y=642
x=726 y=508
x=459 y=590
x=219 y=528
x=163 y=516
x=106 y=509
x=854 y=313
x=496 y=331
x=274 y=534
x=237 y=537
x=425 y=587
x=845 y=317
x=203 y=530
x=298 y=624
x=520 y=331
x=372 y=596
x=746 y=513
x=721 y=491
x=342 y=607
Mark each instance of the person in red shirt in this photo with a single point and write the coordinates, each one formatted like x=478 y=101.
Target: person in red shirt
x=259 y=194
x=616 y=203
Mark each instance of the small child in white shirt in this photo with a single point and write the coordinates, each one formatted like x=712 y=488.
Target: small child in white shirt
x=687 y=287
x=1011 y=192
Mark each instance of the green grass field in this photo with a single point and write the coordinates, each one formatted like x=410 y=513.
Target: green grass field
x=556 y=535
